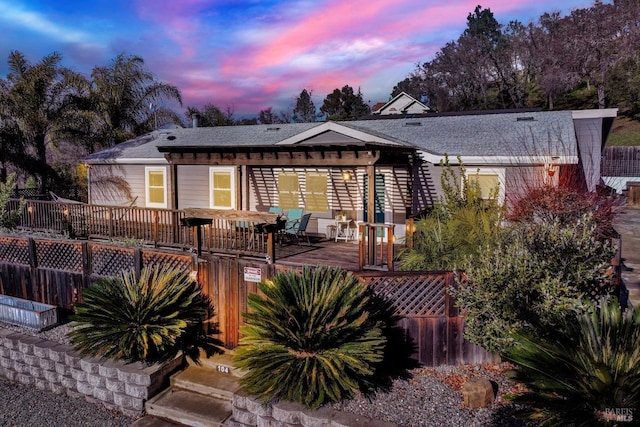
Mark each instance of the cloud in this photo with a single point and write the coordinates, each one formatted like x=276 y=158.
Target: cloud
x=35 y=22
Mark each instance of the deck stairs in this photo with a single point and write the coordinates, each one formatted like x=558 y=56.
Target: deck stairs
x=199 y=396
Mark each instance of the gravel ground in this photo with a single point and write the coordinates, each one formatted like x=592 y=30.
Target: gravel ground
x=430 y=398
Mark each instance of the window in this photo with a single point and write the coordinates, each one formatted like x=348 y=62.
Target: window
x=288 y=190
x=316 y=199
x=156 y=187
x=488 y=180
x=222 y=188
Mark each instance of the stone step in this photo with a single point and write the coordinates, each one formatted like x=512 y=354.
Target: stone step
x=189 y=408
x=208 y=382
x=222 y=363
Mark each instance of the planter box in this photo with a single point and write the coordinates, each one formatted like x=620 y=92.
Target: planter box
x=30 y=314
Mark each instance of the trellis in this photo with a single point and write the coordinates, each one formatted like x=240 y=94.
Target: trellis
x=54 y=271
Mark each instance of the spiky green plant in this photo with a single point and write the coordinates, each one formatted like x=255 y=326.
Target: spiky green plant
x=590 y=364
x=315 y=338
x=150 y=318
x=461 y=225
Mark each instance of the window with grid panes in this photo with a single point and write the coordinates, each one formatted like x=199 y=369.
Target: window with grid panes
x=316 y=199
x=156 y=187
x=288 y=190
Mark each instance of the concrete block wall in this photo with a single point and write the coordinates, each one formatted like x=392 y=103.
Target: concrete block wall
x=249 y=412
x=48 y=365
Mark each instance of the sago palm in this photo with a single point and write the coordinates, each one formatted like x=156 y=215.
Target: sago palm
x=149 y=318
x=592 y=365
x=315 y=338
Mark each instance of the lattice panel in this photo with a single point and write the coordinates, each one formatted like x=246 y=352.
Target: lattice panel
x=179 y=262
x=111 y=260
x=59 y=255
x=14 y=250
x=412 y=295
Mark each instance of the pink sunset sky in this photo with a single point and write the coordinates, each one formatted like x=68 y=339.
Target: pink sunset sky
x=251 y=54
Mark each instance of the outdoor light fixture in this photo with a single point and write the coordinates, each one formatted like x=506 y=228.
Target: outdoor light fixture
x=347 y=176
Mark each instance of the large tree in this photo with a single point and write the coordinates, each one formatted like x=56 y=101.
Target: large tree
x=126 y=100
x=305 y=109
x=344 y=104
x=35 y=102
x=210 y=115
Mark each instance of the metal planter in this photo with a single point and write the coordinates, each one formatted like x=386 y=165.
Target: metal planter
x=30 y=314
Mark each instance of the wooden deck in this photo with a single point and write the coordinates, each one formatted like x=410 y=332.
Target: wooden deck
x=322 y=252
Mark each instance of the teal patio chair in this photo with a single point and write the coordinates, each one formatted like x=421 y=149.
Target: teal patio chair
x=299 y=229
x=294 y=216
x=276 y=210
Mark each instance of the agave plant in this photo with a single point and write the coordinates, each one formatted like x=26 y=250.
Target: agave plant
x=315 y=338
x=150 y=318
x=590 y=367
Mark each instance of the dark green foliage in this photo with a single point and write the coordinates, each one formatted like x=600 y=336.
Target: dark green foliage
x=9 y=218
x=150 y=318
x=319 y=336
x=540 y=271
x=589 y=364
x=344 y=104
x=305 y=109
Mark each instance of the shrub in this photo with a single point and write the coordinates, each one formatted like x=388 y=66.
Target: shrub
x=9 y=219
x=150 y=318
x=566 y=204
x=461 y=225
x=317 y=337
x=588 y=366
x=538 y=274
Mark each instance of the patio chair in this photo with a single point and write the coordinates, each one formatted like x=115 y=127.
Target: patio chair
x=276 y=210
x=293 y=218
x=299 y=229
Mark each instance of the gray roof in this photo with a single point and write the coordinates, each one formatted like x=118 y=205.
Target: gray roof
x=498 y=134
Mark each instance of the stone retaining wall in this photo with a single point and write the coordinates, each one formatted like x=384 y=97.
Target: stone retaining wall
x=48 y=365
x=248 y=412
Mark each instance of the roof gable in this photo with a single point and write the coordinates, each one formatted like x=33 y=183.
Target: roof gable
x=402 y=104
x=337 y=133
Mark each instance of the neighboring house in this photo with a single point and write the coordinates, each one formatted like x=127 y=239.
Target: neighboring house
x=400 y=104
x=333 y=167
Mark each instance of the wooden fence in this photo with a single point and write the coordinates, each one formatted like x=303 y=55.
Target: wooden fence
x=428 y=313
x=56 y=271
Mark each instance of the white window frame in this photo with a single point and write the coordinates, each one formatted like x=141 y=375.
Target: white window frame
x=232 y=171
x=148 y=203
x=500 y=172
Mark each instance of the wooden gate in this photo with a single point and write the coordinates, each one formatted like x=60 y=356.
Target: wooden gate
x=428 y=313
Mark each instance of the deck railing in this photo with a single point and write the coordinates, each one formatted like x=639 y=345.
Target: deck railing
x=376 y=250
x=229 y=231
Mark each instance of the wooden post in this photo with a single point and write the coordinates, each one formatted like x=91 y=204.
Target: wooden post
x=110 y=213
x=371 y=212
x=155 y=227
x=271 y=247
x=409 y=233
x=390 y=248
x=362 y=242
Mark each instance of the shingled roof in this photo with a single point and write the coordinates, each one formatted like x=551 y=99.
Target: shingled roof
x=506 y=134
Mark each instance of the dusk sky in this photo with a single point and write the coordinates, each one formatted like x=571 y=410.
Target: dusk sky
x=253 y=54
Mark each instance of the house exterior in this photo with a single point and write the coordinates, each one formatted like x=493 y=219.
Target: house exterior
x=338 y=167
x=401 y=104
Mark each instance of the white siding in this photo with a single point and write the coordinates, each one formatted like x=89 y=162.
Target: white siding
x=108 y=185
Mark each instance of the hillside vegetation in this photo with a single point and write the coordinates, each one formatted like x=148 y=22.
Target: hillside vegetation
x=625 y=132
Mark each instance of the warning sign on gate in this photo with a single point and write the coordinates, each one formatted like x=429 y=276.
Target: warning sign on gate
x=252 y=274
